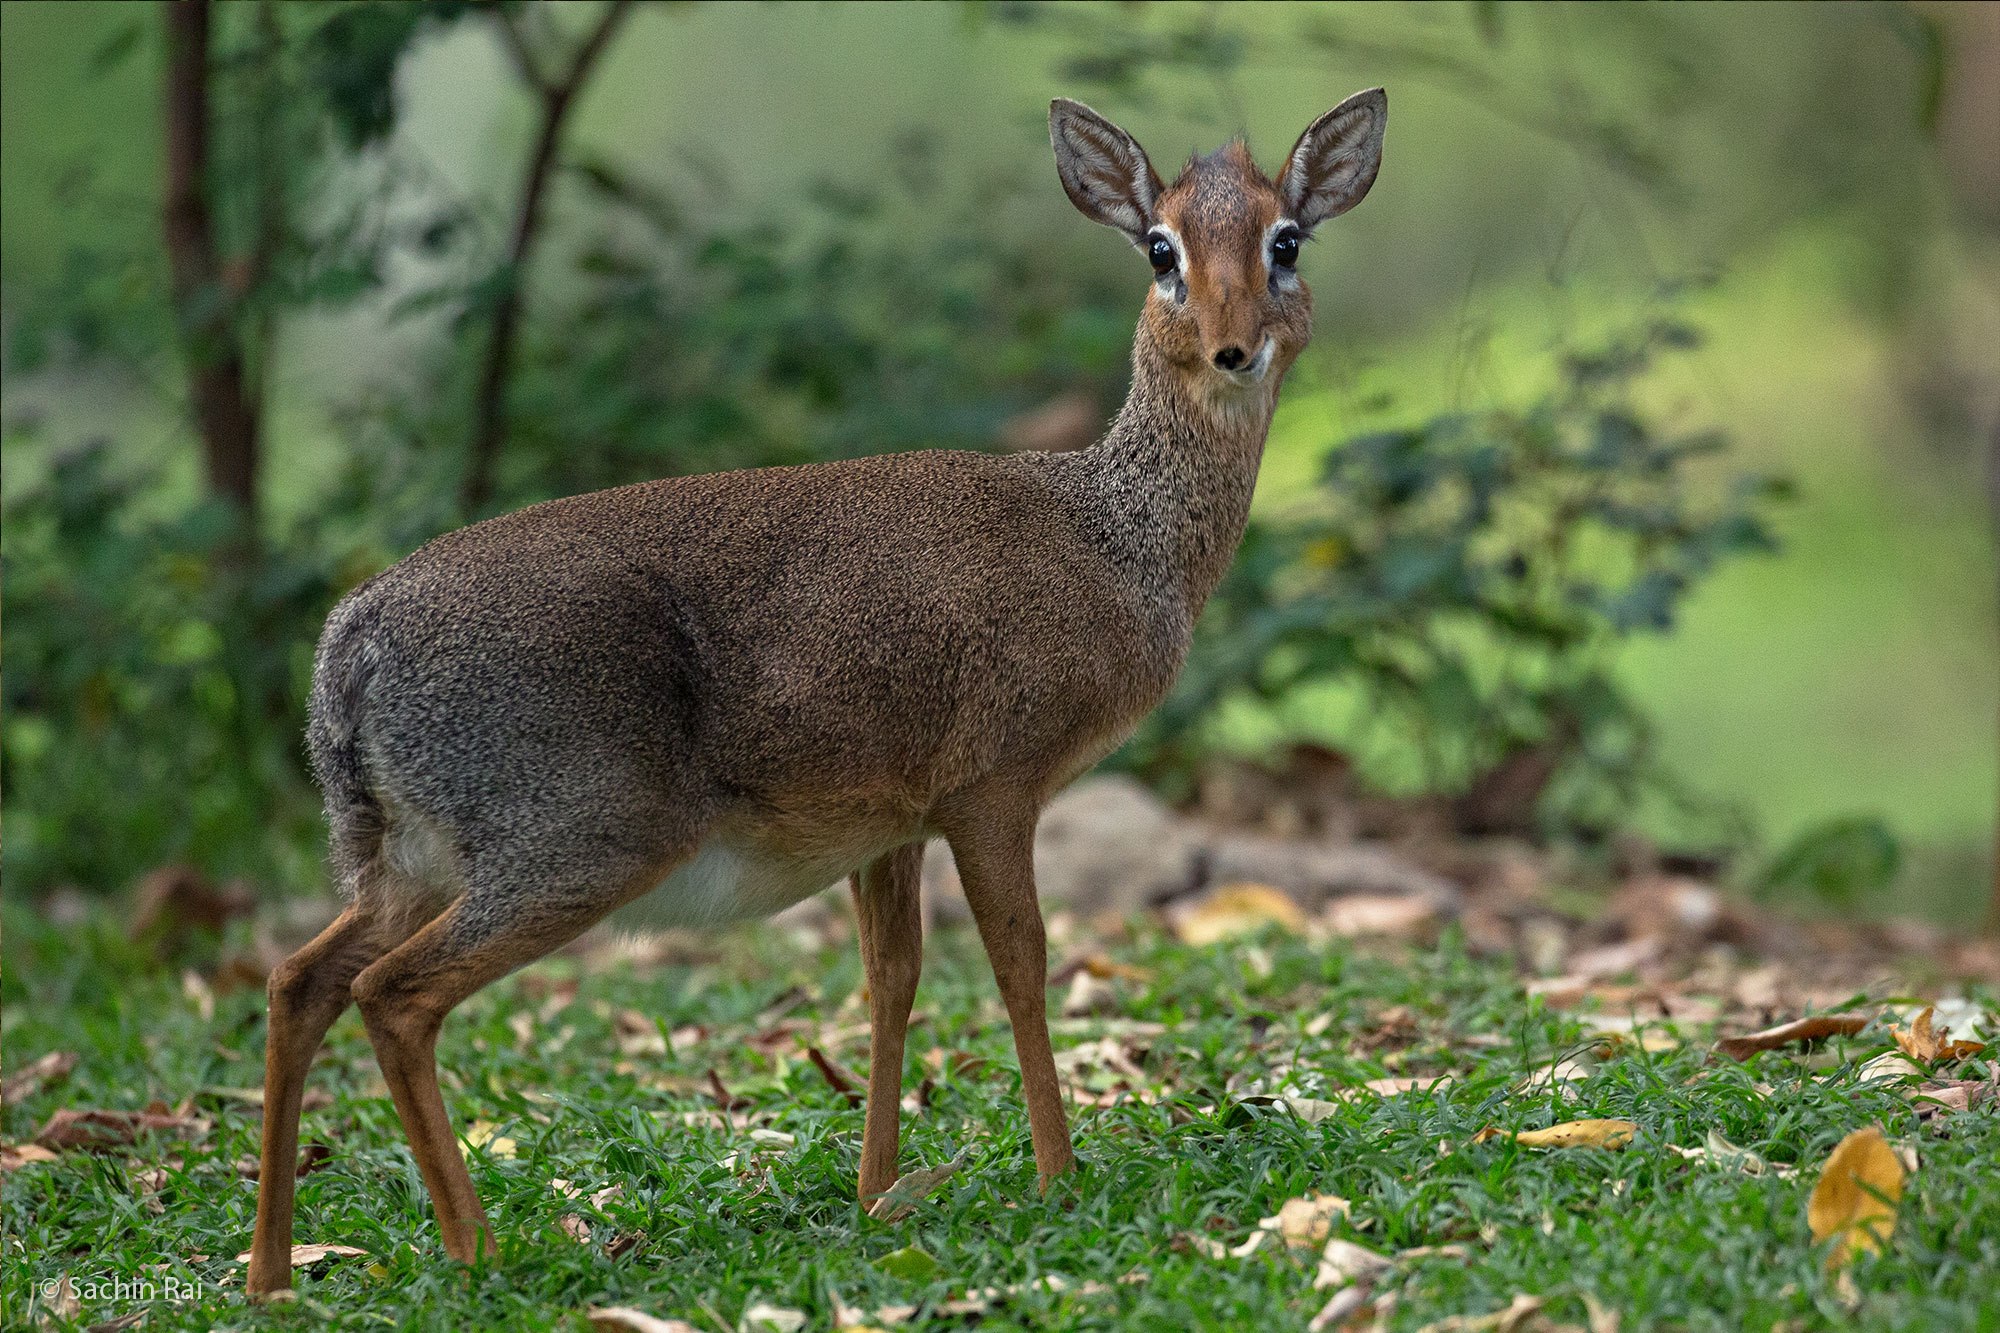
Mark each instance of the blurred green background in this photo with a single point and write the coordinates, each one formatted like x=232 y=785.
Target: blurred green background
x=775 y=233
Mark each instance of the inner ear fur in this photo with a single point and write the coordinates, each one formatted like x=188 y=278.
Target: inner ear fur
x=1335 y=161
x=1103 y=169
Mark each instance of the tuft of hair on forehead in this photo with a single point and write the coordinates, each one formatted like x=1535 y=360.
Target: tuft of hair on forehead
x=1231 y=162
x=1220 y=198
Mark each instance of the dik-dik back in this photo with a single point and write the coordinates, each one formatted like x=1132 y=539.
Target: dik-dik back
x=800 y=665
x=722 y=693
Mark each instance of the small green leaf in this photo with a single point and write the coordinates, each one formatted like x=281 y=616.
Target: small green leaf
x=912 y=1264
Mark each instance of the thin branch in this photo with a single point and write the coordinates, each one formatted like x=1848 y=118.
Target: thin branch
x=517 y=47
x=489 y=431
x=204 y=306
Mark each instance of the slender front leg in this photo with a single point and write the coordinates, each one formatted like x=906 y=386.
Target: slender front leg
x=888 y=907
x=996 y=864
x=308 y=992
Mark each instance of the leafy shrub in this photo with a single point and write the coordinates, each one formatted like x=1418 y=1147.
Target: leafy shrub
x=1471 y=578
x=155 y=680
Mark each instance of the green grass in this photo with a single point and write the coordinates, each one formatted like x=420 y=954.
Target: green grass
x=1666 y=1241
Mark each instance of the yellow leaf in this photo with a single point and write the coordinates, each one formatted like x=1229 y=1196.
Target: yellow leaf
x=1855 y=1199
x=1108 y=969
x=1930 y=1044
x=1297 y=1222
x=485 y=1134
x=1238 y=909
x=1580 y=1134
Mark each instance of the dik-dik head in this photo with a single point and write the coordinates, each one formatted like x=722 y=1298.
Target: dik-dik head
x=1227 y=308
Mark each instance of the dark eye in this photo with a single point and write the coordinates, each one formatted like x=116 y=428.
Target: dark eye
x=1285 y=250
x=1161 y=252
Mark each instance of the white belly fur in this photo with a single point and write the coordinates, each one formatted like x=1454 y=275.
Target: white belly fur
x=721 y=884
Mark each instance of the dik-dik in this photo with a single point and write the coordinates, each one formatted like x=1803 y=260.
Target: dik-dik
x=729 y=691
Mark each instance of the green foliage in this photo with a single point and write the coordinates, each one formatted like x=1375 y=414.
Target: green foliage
x=1471 y=577
x=1841 y=860
x=352 y=56
x=678 y=344
x=155 y=678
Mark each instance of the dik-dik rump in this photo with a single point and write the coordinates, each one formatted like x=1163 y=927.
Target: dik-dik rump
x=722 y=693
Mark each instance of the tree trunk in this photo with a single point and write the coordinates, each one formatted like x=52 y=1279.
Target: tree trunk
x=204 y=306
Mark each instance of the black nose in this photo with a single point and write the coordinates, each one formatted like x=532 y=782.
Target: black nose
x=1231 y=358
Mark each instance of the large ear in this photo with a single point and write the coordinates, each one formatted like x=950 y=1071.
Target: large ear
x=1103 y=169
x=1335 y=160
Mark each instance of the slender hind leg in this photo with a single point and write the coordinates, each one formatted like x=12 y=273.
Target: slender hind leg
x=499 y=925
x=308 y=992
x=887 y=906
x=996 y=863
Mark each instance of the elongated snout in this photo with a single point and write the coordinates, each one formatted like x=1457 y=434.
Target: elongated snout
x=1230 y=324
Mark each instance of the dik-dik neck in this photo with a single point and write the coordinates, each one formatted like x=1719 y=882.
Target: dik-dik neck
x=1172 y=479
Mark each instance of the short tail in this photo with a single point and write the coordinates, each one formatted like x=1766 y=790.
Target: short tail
x=341 y=672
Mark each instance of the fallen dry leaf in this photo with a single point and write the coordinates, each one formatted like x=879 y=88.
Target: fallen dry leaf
x=1931 y=1044
x=1303 y=1222
x=723 y=1097
x=62 y=1303
x=1208 y=1247
x=1357 y=916
x=1343 y=1262
x=624 y=1319
x=1811 y=1028
x=901 y=1199
x=1312 y=1110
x=1521 y=1309
x=304 y=1256
x=101 y=1131
x=1888 y=1067
x=1345 y=1306
x=1235 y=910
x=979 y=1301
x=1397 y=1085
x=838 y=1076
x=1933 y=1099
x=851 y=1319
x=639 y=1033
x=1104 y=968
x=1724 y=1153
x=174 y=902
x=32 y=1077
x=1570 y=1134
x=1856 y=1197
x=1087 y=995
x=14 y=1156
x=762 y=1318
